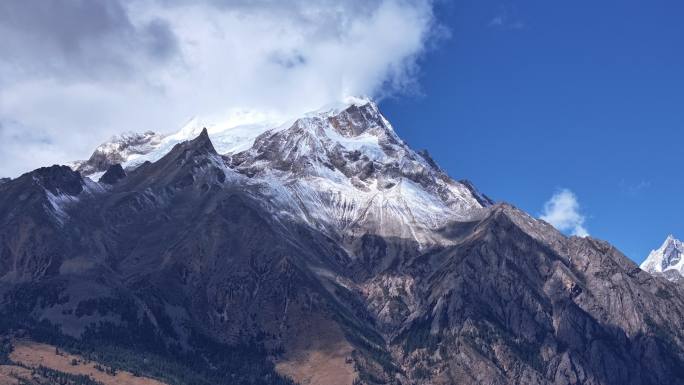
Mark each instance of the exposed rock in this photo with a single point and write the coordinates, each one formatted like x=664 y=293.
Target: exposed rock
x=114 y=174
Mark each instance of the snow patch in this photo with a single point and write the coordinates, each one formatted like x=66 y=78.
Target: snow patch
x=58 y=204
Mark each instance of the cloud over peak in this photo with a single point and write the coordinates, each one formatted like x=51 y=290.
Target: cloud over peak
x=79 y=71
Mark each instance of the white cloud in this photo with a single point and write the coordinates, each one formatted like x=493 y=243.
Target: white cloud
x=154 y=64
x=562 y=211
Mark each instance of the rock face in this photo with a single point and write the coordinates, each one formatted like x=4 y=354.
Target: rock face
x=330 y=252
x=667 y=261
x=113 y=174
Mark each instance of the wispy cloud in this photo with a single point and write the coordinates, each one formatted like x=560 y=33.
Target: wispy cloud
x=506 y=18
x=562 y=211
x=634 y=189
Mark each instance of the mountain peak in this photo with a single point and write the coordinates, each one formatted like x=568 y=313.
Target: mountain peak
x=667 y=258
x=203 y=141
x=350 y=172
x=59 y=179
x=671 y=244
x=200 y=146
x=356 y=120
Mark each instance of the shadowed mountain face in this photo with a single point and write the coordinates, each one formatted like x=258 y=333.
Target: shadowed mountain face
x=328 y=252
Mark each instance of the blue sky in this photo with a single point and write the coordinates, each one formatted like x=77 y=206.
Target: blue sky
x=528 y=97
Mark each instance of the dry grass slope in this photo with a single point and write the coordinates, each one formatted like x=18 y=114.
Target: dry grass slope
x=32 y=355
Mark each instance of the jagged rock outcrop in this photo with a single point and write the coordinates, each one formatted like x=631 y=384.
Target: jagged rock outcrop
x=113 y=174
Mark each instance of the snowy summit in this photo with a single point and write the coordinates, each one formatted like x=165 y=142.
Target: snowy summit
x=342 y=169
x=666 y=260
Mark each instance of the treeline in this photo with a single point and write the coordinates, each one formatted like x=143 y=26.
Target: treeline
x=138 y=347
x=5 y=350
x=207 y=363
x=46 y=376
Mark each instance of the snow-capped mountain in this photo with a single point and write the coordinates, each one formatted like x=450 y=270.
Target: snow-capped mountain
x=318 y=250
x=349 y=166
x=342 y=169
x=119 y=149
x=667 y=260
x=228 y=137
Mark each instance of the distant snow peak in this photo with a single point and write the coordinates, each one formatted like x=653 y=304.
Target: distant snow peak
x=667 y=259
x=118 y=149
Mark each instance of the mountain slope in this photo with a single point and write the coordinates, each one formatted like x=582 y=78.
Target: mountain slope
x=329 y=252
x=520 y=303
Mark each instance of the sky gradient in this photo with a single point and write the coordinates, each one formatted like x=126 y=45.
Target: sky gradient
x=527 y=98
